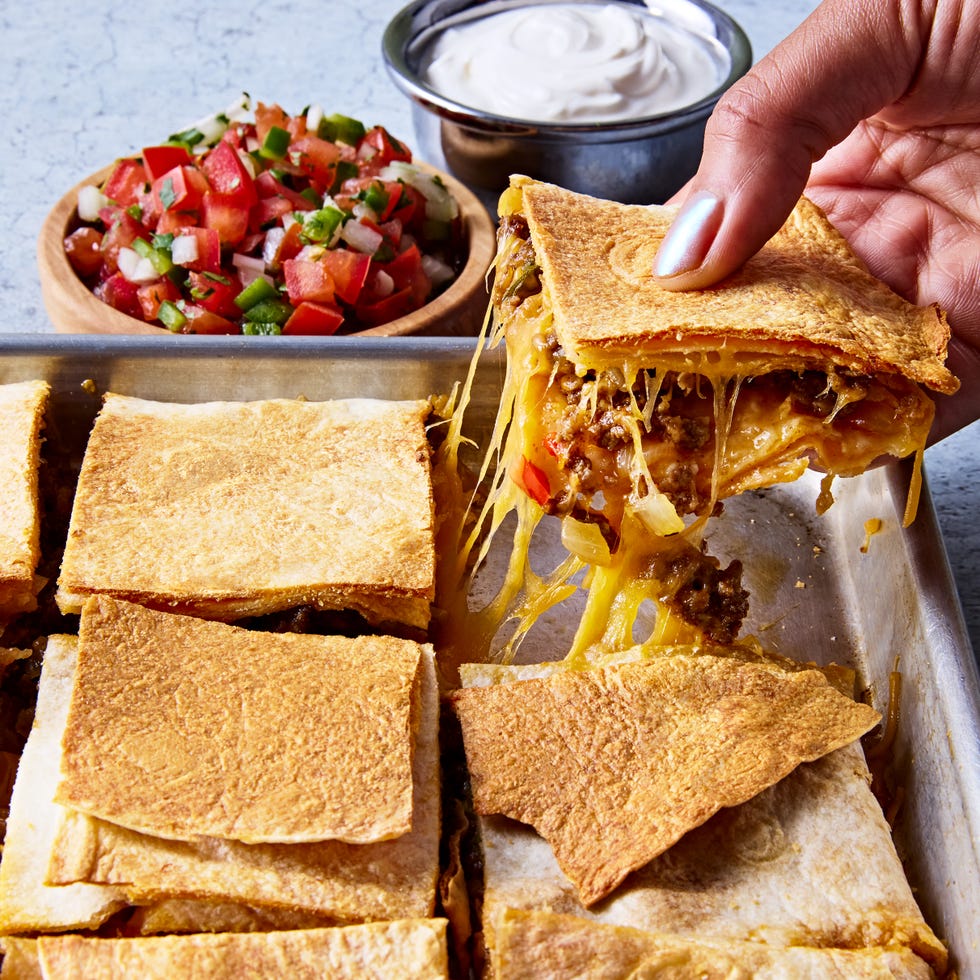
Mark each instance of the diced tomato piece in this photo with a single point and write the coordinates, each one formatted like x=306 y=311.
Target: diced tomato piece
x=228 y=176
x=160 y=159
x=316 y=158
x=376 y=311
x=392 y=230
x=180 y=189
x=216 y=292
x=410 y=207
x=268 y=212
x=208 y=249
x=402 y=267
x=173 y=222
x=151 y=295
x=267 y=185
x=201 y=320
x=533 y=481
x=313 y=319
x=126 y=182
x=121 y=231
x=226 y=216
x=84 y=250
x=307 y=280
x=349 y=271
x=386 y=147
x=267 y=116
x=289 y=247
x=121 y=294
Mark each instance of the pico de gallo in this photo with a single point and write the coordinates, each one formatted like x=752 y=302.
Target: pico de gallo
x=254 y=221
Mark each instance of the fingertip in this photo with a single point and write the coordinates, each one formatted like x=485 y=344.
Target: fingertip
x=689 y=238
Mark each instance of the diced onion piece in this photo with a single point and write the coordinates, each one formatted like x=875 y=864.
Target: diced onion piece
x=270 y=247
x=585 y=540
x=313 y=116
x=361 y=238
x=383 y=284
x=657 y=513
x=249 y=266
x=184 y=250
x=135 y=268
x=90 y=202
x=440 y=205
x=437 y=270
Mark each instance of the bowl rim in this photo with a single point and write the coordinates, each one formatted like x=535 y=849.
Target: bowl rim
x=402 y=31
x=64 y=294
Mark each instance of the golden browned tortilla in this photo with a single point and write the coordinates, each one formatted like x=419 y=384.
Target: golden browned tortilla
x=413 y=949
x=22 y=407
x=613 y=765
x=805 y=292
x=184 y=728
x=228 y=509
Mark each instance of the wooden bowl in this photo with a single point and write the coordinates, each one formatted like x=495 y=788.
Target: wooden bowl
x=457 y=311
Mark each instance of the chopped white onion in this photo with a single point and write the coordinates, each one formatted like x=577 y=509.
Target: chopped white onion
x=440 y=205
x=270 y=246
x=585 y=540
x=249 y=267
x=437 y=270
x=657 y=513
x=135 y=268
x=361 y=238
x=90 y=202
x=313 y=116
x=382 y=283
x=183 y=251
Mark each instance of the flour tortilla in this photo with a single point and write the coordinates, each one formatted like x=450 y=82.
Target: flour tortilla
x=333 y=880
x=22 y=407
x=808 y=862
x=404 y=950
x=227 y=509
x=27 y=903
x=613 y=765
x=804 y=293
x=183 y=728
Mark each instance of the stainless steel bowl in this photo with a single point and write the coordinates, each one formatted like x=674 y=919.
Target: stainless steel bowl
x=640 y=161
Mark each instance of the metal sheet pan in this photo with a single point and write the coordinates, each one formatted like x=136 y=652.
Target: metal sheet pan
x=821 y=588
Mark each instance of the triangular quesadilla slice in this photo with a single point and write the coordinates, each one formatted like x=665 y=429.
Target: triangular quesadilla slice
x=613 y=765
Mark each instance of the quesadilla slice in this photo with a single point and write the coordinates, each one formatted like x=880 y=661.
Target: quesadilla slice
x=549 y=946
x=404 y=950
x=624 y=390
x=27 y=903
x=630 y=412
x=613 y=765
x=808 y=862
x=336 y=881
x=229 y=510
x=183 y=728
x=22 y=407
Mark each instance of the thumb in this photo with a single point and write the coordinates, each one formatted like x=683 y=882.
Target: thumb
x=848 y=60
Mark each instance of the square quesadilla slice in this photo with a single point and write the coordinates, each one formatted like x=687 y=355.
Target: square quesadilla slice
x=228 y=510
x=335 y=879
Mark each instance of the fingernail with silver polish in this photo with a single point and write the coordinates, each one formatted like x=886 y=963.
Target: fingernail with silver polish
x=690 y=235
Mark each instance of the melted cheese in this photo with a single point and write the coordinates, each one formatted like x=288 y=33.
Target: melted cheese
x=757 y=438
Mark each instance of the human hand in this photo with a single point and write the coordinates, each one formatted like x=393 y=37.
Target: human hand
x=872 y=108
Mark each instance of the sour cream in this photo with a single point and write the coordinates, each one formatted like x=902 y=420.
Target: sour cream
x=580 y=62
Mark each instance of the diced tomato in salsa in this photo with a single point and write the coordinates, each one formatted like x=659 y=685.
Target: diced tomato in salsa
x=269 y=198
x=158 y=160
x=314 y=319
